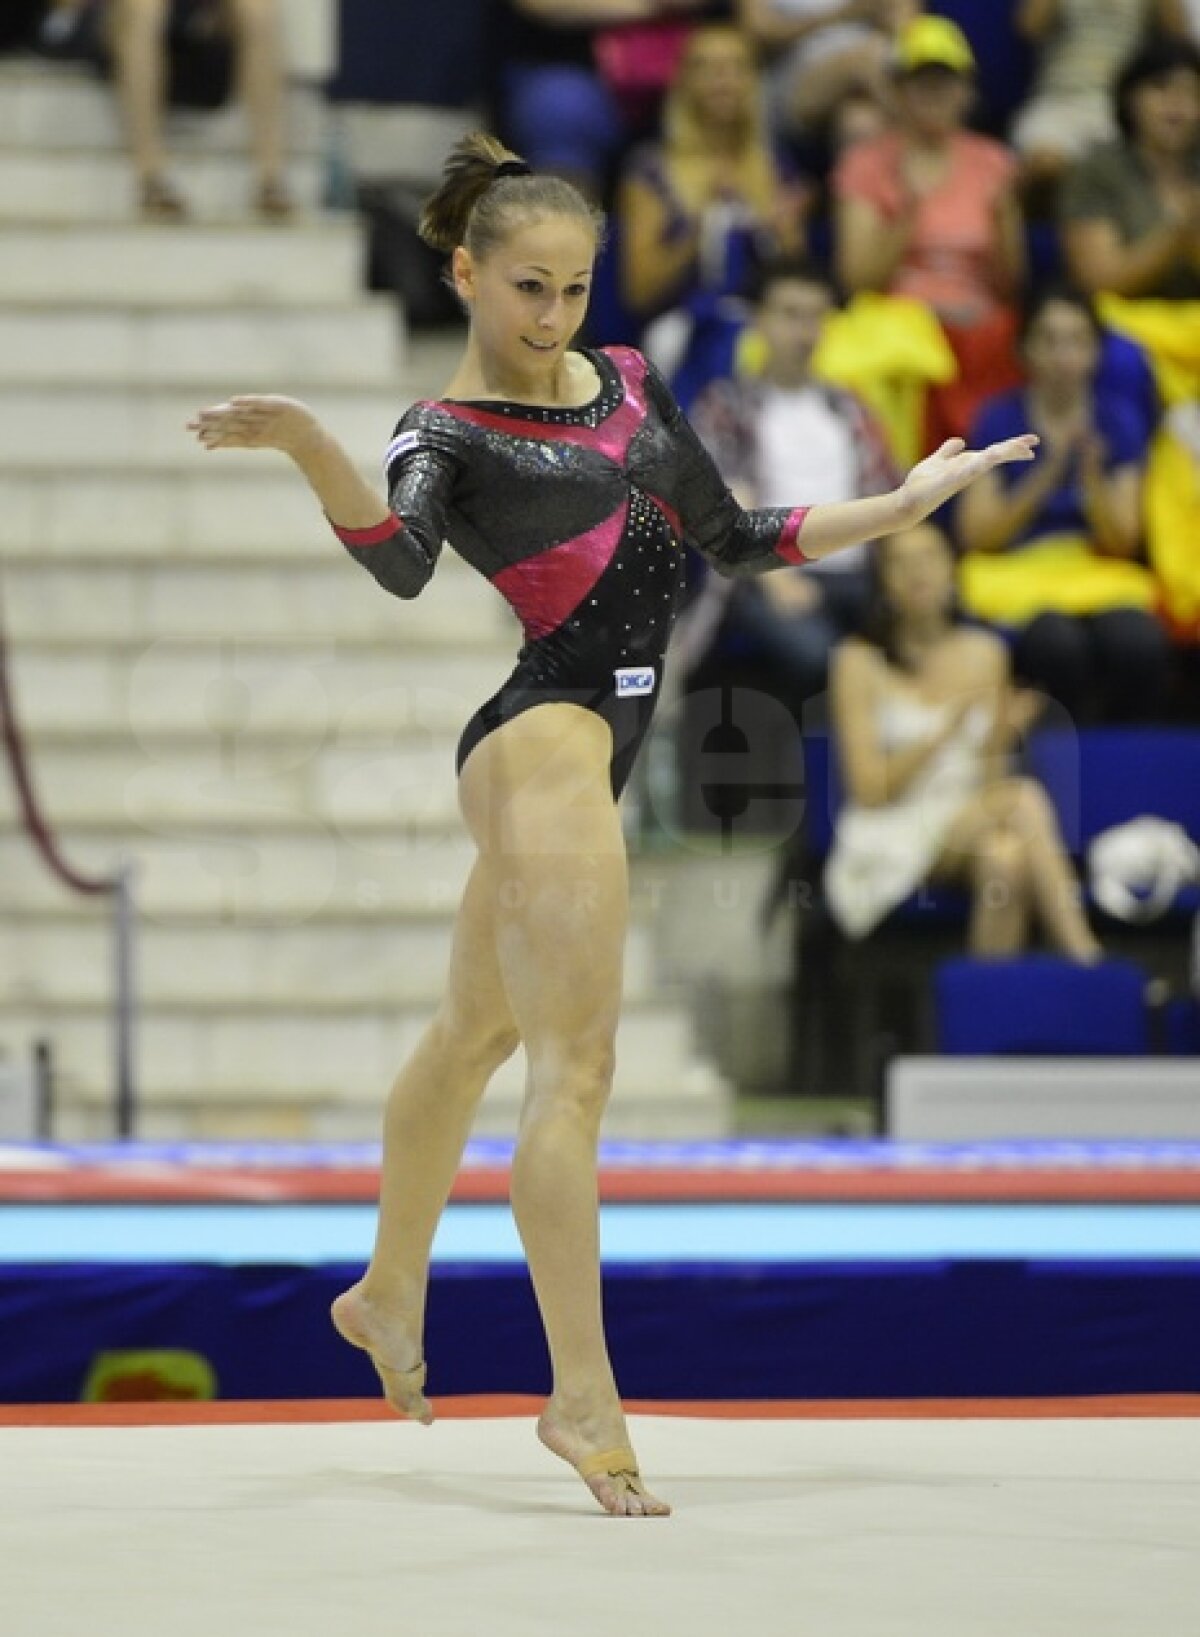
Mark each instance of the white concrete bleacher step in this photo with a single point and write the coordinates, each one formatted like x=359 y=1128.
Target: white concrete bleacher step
x=330 y=962
x=359 y=344
x=266 y=867
x=308 y=263
x=331 y=598
x=231 y=687
x=212 y=1059
x=114 y=426
x=51 y=108
x=406 y=780
x=90 y=186
x=223 y=504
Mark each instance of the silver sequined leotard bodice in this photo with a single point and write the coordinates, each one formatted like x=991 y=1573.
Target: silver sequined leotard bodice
x=577 y=517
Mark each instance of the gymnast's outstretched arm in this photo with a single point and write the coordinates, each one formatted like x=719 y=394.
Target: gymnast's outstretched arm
x=737 y=541
x=397 y=540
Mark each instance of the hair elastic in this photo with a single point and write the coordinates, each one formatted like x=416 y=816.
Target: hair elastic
x=512 y=167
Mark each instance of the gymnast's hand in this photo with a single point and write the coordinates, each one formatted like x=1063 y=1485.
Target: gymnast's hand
x=954 y=466
x=257 y=422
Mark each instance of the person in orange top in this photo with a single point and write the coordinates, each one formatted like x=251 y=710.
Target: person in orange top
x=930 y=210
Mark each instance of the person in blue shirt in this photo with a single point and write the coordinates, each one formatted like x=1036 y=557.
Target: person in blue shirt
x=1055 y=553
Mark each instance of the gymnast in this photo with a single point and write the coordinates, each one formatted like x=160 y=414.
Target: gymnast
x=571 y=480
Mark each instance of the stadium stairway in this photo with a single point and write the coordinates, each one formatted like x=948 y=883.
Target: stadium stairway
x=209 y=687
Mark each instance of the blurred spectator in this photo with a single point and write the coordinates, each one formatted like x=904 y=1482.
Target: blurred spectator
x=697 y=211
x=557 y=107
x=774 y=437
x=925 y=714
x=1053 y=550
x=1080 y=48
x=1131 y=210
x=153 y=45
x=929 y=210
x=825 y=52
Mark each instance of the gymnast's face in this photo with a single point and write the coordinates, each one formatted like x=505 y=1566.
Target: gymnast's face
x=528 y=296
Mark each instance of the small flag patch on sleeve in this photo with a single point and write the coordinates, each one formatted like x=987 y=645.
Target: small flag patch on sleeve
x=400 y=446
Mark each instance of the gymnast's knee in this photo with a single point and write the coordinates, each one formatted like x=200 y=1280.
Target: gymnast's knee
x=570 y=1077
x=472 y=1044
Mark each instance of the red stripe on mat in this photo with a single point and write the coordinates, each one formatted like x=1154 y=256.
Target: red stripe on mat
x=492 y=1406
x=269 y=1187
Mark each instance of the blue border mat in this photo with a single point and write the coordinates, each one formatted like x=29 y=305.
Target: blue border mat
x=675 y=1234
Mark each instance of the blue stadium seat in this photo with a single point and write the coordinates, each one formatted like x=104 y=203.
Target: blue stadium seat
x=1182 y=1027
x=1099 y=777
x=1040 y=1005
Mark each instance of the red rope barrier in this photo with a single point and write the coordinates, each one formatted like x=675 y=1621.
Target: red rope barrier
x=34 y=821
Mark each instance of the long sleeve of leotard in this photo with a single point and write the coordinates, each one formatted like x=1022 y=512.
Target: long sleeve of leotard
x=402 y=551
x=735 y=541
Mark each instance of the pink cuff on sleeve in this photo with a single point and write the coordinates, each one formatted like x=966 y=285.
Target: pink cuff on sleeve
x=786 y=546
x=373 y=536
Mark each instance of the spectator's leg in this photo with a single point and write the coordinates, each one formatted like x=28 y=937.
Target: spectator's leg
x=261 y=82
x=1024 y=808
x=1007 y=841
x=138 y=41
x=999 y=894
x=1054 y=655
x=1133 y=664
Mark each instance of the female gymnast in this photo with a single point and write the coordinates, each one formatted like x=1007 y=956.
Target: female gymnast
x=571 y=480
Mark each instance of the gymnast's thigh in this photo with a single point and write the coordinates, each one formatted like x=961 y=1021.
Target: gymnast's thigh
x=474 y=1009
x=537 y=798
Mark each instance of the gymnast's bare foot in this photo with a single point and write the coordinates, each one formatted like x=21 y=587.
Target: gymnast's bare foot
x=581 y=1430
x=393 y=1341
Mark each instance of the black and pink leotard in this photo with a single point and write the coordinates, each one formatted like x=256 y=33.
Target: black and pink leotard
x=577 y=517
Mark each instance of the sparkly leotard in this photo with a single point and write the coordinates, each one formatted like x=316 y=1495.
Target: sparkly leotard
x=577 y=517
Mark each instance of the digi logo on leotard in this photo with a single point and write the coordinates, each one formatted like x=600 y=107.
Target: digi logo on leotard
x=634 y=679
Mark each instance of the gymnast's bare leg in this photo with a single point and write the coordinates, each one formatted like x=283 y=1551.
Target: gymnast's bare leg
x=538 y=951
x=426 y=1124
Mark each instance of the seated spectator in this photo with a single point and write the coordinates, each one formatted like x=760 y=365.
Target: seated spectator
x=924 y=715
x=825 y=52
x=1131 y=210
x=556 y=107
x=1080 y=46
x=696 y=211
x=929 y=210
x=142 y=37
x=775 y=436
x=1054 y=552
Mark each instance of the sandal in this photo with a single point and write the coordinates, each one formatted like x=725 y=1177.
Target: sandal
x=160 y=202
x=273 y=202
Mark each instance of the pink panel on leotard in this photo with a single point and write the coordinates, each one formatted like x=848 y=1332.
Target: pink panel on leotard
x=545 y=588
x=786 y=546
x=611 y=438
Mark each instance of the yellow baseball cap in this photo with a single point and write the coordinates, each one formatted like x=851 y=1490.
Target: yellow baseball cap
x=933 y=42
